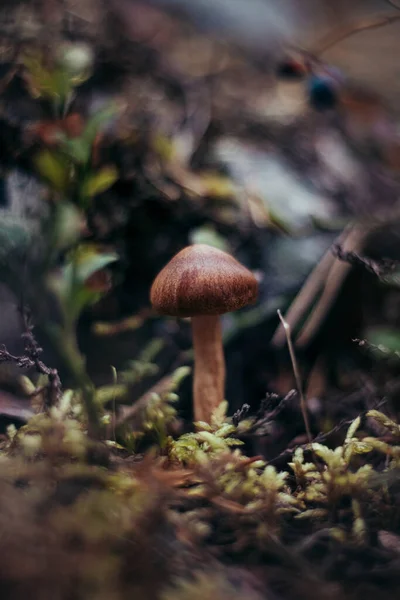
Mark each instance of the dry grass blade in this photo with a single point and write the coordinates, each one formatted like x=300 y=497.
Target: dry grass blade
x=297 y=376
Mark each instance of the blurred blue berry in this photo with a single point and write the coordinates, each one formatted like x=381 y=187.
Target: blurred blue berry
x=322 y=92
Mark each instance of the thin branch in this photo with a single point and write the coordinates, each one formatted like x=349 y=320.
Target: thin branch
x=336 y=277
x=335 y=37
x=31 y=359
x=240 y=414
x=308 y=293
x=323 y=436
x=34 y=350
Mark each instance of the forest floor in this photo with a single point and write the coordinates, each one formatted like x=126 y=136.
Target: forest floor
x=108 y=488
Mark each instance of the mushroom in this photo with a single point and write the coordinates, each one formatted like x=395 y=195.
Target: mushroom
x=203 y=283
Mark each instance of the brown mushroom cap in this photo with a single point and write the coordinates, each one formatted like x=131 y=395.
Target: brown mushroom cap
x=202 y=280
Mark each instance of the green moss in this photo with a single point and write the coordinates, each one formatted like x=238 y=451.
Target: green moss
x=101 y=520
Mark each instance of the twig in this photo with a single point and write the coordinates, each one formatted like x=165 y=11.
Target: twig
x=323 y=436
x=308 y=292
x=337 y=36
x=266 y=413
x=327 y=276
x=333 y=284
x=240 y=414
x=342 y=33
x=30 y=359
x=34 y=350
x=297 y=377
x=378 y=268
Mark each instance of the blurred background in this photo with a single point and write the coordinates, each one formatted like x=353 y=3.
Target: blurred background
x=268 y=129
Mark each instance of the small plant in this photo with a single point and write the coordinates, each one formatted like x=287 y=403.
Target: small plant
x=63 y=263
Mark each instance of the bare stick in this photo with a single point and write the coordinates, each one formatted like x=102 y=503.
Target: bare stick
x=306 y=296
x=332 y=287
x=31 y=359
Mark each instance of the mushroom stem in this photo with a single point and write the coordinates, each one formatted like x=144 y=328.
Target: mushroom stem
x=209 y=366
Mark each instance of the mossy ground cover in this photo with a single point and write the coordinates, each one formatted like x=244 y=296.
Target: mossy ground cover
x=108 y=489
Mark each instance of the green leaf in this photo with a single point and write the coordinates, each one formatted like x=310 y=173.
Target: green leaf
x=98 y=121
x=73 y=299
x=40 y=78
x=67 y=225
x=55 y=84
x=91 y=263
x=52 y=167
x=60 y=84
x=69 y=283
x=78 y=149
x=100 y=182
x=81 y=298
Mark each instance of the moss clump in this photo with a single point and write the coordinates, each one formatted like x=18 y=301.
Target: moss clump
x=82 y=519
